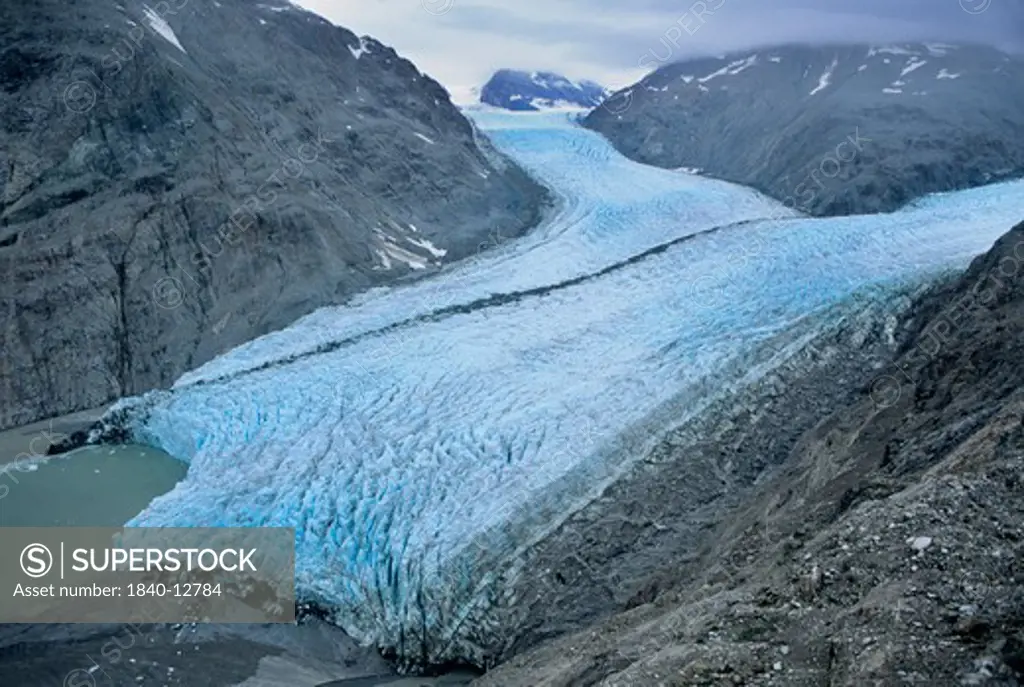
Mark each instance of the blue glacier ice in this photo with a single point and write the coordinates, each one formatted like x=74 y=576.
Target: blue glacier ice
x=476 y=406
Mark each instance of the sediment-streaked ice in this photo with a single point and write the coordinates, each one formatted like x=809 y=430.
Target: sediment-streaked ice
x=412 y=434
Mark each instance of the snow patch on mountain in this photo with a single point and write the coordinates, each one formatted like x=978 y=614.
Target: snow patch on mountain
x=826 y=77
x=939 y=49
x=913 y=65
x=361 y=50
x=161 y=27
x=731 y=69
x=428 y=246
x=890 y=50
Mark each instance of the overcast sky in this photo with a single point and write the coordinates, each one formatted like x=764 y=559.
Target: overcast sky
x=460 y=42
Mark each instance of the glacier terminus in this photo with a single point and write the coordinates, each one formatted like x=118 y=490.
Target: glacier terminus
x=421 y=437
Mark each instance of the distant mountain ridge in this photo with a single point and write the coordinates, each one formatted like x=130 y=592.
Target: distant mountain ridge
x=927 y=117
x=525 y=91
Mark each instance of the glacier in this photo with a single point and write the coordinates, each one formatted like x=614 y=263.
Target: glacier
x=421 y=436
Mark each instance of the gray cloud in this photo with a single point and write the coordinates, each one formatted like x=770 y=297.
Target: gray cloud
x=607 y=39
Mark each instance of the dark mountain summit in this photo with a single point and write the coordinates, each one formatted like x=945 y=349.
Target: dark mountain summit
x=831 y=130
x=179 y=178
x=524 y=91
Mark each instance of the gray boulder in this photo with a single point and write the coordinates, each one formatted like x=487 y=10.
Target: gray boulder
x=830 y=130
x=178 y=178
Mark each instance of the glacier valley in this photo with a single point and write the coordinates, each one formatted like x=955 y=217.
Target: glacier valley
x=422 y=436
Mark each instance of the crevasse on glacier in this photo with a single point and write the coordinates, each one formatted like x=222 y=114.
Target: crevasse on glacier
x=476 y=407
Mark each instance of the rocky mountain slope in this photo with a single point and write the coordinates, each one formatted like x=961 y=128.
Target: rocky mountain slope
x=856 y=520
x=831 y=130
x=526 y=91
x=181 y=177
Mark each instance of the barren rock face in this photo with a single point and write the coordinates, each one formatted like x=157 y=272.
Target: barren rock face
x=181 y=178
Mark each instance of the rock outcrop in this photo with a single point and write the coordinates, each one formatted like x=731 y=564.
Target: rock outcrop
x=178 y=178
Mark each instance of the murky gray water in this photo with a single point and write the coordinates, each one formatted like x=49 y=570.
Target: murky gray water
x=95 y=486
x=107 y=486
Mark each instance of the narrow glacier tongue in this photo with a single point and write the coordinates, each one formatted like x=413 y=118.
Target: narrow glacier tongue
x=400 y=444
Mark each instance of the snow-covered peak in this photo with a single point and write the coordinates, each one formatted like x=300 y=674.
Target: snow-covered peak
x=517 y=90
